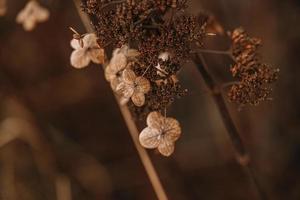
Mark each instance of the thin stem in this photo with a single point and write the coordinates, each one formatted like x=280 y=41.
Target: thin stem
x=242 y=154
x=133 y=130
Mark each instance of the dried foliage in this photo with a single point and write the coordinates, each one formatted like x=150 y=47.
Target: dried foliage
x=254 y=76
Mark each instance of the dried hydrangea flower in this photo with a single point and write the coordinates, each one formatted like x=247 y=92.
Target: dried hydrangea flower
x=82 y=56
x=161 y=133
x=2 y=7
x=133 y=87
x=164 y=57
x=121 y=57
x=31 y=15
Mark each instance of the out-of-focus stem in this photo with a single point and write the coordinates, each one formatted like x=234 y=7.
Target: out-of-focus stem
x=133 y=130
x=242 y=154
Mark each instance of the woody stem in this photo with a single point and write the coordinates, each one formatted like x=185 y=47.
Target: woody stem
x=132 y=128
x=242 y=154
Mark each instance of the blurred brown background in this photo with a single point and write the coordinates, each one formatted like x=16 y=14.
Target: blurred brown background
x=62 y=132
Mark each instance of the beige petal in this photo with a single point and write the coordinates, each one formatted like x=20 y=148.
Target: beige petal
x=155 y=120
x=79 y=59
x=41 y=14
x=132 y=53
x=118 y=62
x=143 y=85
x=166 y=148
x=125 y=90
x=124 y=101
x=97 y=55
x=114 y=83
x=164 y=56
x=109 y=73
x=29 y=24
x=172 y=129
x=75 y=44
x=138 y=99
x=128 y=76
x=150 y=138
x=90 y=40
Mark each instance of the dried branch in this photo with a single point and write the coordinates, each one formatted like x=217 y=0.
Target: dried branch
x=242 y=154
x=133 y=130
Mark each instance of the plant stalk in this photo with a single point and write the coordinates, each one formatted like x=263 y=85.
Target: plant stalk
x=132 y=128
x=241 y=152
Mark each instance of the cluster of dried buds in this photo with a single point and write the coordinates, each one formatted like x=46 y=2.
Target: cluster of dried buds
x=254 y=76
x=149 y=41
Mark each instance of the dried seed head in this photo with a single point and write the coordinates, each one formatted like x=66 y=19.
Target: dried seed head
x=254 y=76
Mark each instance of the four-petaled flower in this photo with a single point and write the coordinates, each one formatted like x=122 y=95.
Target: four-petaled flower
x=32 y=14
x=161 y=133
x=121 y=57
x=133 y=87
x=82 y=56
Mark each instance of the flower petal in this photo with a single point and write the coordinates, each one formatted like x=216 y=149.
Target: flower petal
x=41 y=14
x=166 y=148
x=155 y=120
x=125 y=90
x=97 y=55
x=150 y=138
x=79 y=59
x=90 y=40
x=114 y=83
x=172 y=129
x=132 y=53
x=138 y=99
x=75 y=44
x=118 y=62
x=29 y=24
x=128 y=76
x=143 y=85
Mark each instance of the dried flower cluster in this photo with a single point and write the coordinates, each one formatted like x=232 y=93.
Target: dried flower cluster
x=85 y=51
x=152 y=39
x=32 y=14
x=160 y=38
x=254 y=76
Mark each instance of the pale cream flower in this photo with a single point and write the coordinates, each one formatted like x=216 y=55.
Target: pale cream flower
x=133 y=87
x=2 y=7
x=161 y=133
x=119 y=61
x=82 y=56
x=160 y=71
x=31 y=15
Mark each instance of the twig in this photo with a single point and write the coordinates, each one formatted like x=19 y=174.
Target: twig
x=242 y=154
x=133 y=130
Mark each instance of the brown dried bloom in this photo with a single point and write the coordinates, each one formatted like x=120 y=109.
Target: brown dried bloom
x=31 y=15
x=82 y=56
x=118 y=62
x=254 y=75
x=161 y=133
x=133 y=87
x=153 y=27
